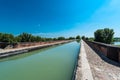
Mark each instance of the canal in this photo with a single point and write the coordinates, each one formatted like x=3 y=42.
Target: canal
x=53 y=63
x=116 y=43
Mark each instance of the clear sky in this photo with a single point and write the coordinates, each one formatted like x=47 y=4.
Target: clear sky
x=59 y=17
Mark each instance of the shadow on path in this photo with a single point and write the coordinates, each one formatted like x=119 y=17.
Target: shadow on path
x=104 y=57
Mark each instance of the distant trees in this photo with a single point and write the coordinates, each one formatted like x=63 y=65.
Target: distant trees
x=116 y=39
x=91 y=39
x=61 y=38
x=83 y=37
x=78 y=37
x=25 y=37
x=104 y=35
x=4 y=37
x=70 y=38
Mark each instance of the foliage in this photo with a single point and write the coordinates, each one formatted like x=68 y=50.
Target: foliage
x=86 y=38
x=26 y=37
x=70 y=38
x=91 y=39
x=83 y=37
x=104 y=35
x=116 y=39
x=61 y=38
x=4 y=37
x=78 y=37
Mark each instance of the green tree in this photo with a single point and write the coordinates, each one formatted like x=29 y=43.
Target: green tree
x=104 y=35
x=117 y=39
x=37 y=38
x=86 y=38
x=83 y=37
x=70 y=38
x=49 y=39
x=25 y=37
x=4 y=37
x=61 y=38
x=54 y=39
x=78 y=37
x=1 y=36
x=91 y=39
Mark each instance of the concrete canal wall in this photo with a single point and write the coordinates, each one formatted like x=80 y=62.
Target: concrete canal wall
x=83 y=71
x=21 y=50
x=87 y=67
x=110 y=51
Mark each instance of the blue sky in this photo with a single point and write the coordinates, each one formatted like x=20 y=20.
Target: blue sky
x=59 y=17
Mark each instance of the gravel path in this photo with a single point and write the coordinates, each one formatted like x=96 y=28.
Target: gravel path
x=102 y=68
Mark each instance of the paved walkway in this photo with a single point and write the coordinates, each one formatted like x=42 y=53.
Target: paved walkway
x=83 y=69
x=102 y=68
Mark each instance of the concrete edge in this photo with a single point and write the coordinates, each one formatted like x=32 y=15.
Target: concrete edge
x=85 y=70
x=24 y=50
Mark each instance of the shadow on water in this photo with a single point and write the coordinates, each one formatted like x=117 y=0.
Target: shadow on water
x=28 y=53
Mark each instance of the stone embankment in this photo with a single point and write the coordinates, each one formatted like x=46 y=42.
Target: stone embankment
x=101 y=67
x=16 y=51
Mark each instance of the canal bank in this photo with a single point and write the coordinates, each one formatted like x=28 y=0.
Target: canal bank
x=83 y=70
x=11 y=52
x=55 y=63
x=94 y=65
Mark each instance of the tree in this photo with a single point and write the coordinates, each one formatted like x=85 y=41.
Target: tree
x=91 y=39
x=104 y=35
x=61 y=38
x=4 y=37
x=1 y=36
x=78 y=37
x=70 y=38
x=83 y=37
x=54 y=39
x=86 y=38
x=117 y=39
x=25 y=37
x=38 y=38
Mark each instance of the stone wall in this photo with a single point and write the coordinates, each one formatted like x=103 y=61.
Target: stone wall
x=110 y=51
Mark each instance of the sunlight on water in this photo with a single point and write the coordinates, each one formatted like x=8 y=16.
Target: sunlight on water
x=55 y=63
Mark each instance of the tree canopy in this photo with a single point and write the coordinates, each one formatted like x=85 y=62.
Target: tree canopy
x=104 y=35
x=78 y=37
x=83 y=37
x=6 y=38
x=27 y=37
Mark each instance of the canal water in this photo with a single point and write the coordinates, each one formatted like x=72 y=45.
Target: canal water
x=116 y=43
x=54 y=63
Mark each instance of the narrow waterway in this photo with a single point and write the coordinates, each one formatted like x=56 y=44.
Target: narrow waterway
x=54 y=63
x=116 y=43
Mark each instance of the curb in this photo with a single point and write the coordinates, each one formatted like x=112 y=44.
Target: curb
x=83 y=66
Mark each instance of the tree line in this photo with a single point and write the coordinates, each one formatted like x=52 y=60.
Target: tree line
x=116 y=39
x=105 y=35
x=27 y=37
